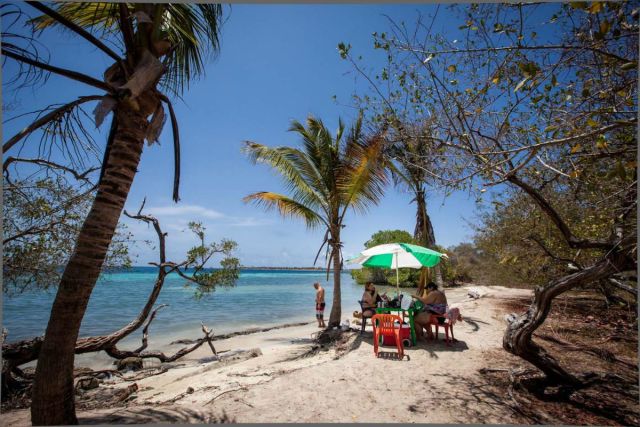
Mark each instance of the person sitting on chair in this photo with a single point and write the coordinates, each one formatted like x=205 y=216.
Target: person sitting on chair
x=435 y=302
x=370 y=299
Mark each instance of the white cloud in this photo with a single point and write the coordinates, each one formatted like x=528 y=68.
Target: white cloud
x=193 y=210
x=249 y=222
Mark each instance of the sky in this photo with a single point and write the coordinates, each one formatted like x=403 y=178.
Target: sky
x=277 y=63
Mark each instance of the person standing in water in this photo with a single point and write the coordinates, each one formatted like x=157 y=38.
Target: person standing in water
x=319 y=304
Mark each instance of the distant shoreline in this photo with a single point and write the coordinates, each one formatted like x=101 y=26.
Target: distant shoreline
x=288 y=268
x=243 y=268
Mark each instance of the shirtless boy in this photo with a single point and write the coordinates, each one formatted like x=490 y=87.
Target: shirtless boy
x=319 y=304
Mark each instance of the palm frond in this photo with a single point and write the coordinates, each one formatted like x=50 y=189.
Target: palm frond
x=399 y=175
x=99 y=17
x=293 y=166
x=364 y=181
x=286 y=207
x=194 y=30
x=319 y=147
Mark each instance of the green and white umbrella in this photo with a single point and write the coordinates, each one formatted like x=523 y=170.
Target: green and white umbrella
x=398 y=255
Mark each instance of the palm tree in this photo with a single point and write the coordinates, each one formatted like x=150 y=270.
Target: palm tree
x=325 y=178
x=163 y=46
x=410 y=153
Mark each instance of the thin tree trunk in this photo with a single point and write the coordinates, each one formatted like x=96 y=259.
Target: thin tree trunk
x=53 y=392
x=424 y=234
x=517 y=337
x=336 y=305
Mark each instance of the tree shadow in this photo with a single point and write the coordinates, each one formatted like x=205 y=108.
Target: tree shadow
x=157 y=415
x=440 y=346
x=467 y=399
x=474 y=323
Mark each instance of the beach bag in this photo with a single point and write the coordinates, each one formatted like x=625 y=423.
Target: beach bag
x=418 y=305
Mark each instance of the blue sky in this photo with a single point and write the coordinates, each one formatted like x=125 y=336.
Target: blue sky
x=278 y=63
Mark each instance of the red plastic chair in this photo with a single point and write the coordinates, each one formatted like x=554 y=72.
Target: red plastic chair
x=445 y=324
x=385 y=325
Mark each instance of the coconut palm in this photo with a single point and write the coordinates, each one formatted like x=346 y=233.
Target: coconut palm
x=326 y=177
x=408 y=156
x=163 y=47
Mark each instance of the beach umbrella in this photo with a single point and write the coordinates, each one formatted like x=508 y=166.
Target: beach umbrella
x=398 y=255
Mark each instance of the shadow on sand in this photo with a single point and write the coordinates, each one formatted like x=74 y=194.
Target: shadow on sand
x=156 y=415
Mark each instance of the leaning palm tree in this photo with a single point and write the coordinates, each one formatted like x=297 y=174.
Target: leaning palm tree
x=408 y=156
x=163 y=47
x=325 y=178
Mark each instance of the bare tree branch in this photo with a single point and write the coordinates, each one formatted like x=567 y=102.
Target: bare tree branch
x=555 y=217
x=79 y=176
x=406 y=47
x=551 y=254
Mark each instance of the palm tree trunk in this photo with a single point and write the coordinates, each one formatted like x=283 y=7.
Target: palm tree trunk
x=424 y=234
x=53 y=391
x=336 y=305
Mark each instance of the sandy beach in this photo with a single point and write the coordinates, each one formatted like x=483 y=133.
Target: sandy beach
x=282 y=376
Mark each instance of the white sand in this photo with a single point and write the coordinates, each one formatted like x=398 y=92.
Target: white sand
x=438 y=384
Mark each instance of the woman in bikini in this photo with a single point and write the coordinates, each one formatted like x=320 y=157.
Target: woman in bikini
x=435 y=302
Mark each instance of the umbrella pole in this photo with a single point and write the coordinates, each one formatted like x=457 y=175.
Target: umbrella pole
x=397 y=279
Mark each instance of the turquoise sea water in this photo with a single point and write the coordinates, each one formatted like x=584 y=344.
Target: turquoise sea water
x=260 y=298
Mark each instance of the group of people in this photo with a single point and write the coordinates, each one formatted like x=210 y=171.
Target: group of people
x=434 y=303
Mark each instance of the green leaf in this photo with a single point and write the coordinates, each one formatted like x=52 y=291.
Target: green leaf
x=343 y=50
x=550 y=128
x=601 y=142
x=582 y=5
x=628 y=66
x=522 y=82
x=592 y=123
x=596 y=7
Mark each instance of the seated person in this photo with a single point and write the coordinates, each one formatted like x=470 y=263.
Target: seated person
x=370 y=300
x=435 y=302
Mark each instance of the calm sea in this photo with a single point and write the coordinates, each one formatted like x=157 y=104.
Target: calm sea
x=260 y=298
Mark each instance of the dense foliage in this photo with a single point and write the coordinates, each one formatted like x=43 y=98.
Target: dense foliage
x=538 y=101
x=207 y=280
x=407 y=276
x=41 y=221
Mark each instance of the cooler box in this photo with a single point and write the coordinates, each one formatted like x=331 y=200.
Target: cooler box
x=405 y=335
